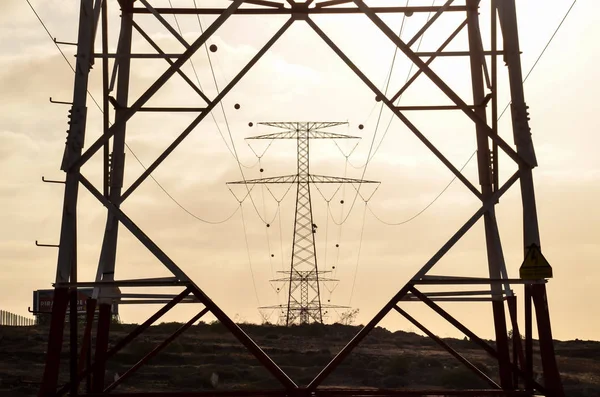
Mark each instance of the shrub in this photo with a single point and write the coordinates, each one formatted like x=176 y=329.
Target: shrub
x=394 y=382
x=399 y=365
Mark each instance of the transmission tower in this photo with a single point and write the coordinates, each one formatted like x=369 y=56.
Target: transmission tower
x=486 y=47
x=304 y=278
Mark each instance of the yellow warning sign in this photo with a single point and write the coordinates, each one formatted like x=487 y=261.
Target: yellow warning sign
x=535 y=266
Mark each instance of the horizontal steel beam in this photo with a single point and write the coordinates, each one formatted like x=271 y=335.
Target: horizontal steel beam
x=434 y=107
x=170 y=109
x=410 y=298
x=150 y=301
x=428 y=280
x=150 y=282
x=332 y=393
x=289 y=11
x=138 y=56
x=454 y=53
x=456 y=293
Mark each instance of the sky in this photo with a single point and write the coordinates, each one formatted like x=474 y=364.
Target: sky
x=301 y=79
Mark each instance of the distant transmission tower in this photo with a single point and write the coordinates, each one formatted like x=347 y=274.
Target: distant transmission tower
x=303 y=278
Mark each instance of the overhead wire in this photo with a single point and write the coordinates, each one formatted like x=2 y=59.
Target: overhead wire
x=227 y=218
x=202 y=89
x=362 y=231
x=543 y=51
x=249 y=257
x=236 y=156
x=345 y=218
x=499 y=117
x=427 y=206
x=264 y=205
x=393 y=116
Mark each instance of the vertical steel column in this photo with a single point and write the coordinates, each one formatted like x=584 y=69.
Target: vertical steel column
x=67 y=266
x=522 y=136
x=106 y=264
x=551 y=375
x=528 y=340
x=494 y=248
x=518 y=357
x=73 y=367
x=105 y=102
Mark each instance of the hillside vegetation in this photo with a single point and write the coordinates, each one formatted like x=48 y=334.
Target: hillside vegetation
x=385 y=359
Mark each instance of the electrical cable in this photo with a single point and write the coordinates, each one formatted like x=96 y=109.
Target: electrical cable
x=236 y=156
x=344 y=219
x=393 y=116
x=362 y=231
x=202 y=89
x=248 y=252
x=281 y=240
x=428 y=205
x=126 y=145
x=499 y=117
x=262 y=191
x=543 y=51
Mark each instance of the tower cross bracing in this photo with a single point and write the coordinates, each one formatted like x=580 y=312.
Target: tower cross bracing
x=111 y=56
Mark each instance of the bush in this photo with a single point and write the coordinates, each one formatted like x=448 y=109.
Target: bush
x=394 y=382
x=399 y=365
x=460 y=378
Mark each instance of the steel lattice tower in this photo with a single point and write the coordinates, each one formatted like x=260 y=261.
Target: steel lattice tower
x=304 y=278
x=120 y=106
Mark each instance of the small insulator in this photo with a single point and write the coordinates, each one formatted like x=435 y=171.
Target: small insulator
x=341 y=201
x=213 y=48
x=409 y=13
x=360 y=126
x=333 y=267
x=277 y=289
x=337 y=246
x=250 y=124
x=378 y=98
x=236 y=106
x=268 y=225
x=262 y=169
x=272 y=256
x=328 y=300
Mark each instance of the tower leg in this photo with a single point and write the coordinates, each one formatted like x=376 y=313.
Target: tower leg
x=552 y=379
x=494 y=248
x=55 y=339
x=106 y=264
x=67 y=263
x=101 y=347
x=518 y=357
x=522 y=135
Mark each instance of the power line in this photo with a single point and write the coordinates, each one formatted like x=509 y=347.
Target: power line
x=362 y=231
x=499 y=117
x=200 y=86
x=399 y=98
x=126 y=145
x=376 y=128
x=544 y=50
x=428 y=205
x=235 y=153
x=249 y=258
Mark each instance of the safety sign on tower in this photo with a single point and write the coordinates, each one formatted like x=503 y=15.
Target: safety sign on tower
x=535 y=266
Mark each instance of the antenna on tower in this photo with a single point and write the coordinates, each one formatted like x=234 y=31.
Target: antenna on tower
x=304 y=278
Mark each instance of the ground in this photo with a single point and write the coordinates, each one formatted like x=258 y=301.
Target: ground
x=385 y=359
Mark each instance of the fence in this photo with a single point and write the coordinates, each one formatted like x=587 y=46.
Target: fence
x=11 y=319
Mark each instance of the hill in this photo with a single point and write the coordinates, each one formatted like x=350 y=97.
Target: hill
x=385 y=359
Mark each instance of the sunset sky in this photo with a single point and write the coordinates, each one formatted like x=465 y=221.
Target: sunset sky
x=301 y=79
